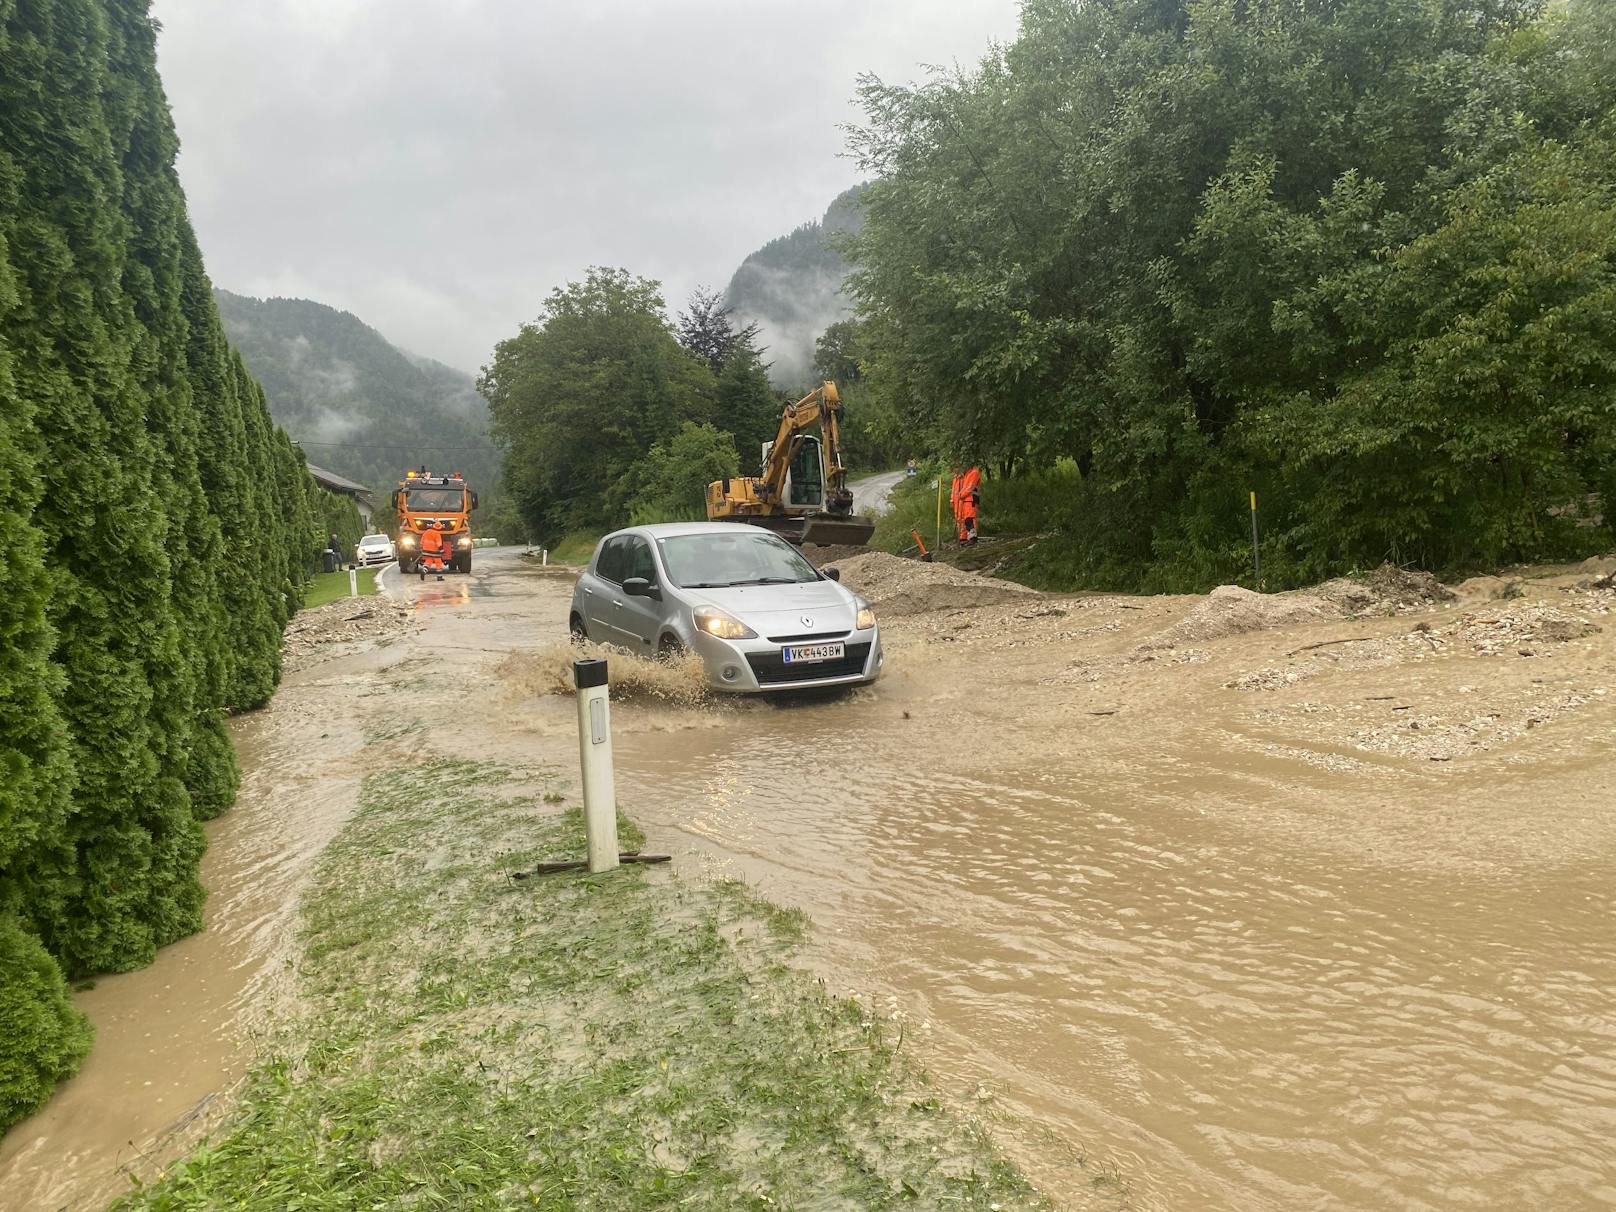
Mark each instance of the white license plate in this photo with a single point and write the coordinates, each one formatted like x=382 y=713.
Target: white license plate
x=803 y=654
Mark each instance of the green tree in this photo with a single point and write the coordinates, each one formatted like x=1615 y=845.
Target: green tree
x=670 y=483
x=579 y=396
x=1169 y=239
x=45 y=1036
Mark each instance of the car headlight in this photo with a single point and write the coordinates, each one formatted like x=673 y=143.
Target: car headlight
x=723 y=625
x=866 y=616
x=408 y=540
x=465 y=541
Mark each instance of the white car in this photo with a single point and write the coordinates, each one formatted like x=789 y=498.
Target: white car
x=374 y=549
x=759 y=615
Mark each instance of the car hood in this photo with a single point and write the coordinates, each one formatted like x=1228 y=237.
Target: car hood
x=776 y=610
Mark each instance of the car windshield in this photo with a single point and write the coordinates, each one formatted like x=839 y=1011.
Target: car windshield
x=435 y=500
x=373 y=540
x=747 y=557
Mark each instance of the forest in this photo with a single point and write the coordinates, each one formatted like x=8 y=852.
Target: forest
x=158 y=529
x=1357 y=257
x=358 y=404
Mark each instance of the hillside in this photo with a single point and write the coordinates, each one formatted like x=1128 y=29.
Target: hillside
x=357 y=404
x=792 y=288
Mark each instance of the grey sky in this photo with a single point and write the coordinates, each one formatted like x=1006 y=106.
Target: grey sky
x=437 y=166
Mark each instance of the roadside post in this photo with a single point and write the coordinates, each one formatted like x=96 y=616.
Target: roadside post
x=595 y=753
x=353 y=581
x=937 y=538
x=1256 y=551
x=600 y=788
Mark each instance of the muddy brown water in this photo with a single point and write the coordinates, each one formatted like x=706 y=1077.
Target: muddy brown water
x=1149 y=950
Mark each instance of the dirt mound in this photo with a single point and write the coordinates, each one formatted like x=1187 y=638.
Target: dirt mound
x=898 y=587
x=820 y=556
x=1231 y=610
x=1491 y=589
x=680 y=681
x=1387 y=590
x=350 y=620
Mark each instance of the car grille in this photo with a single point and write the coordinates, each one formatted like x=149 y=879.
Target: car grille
x=771 y=670
x=801 y=639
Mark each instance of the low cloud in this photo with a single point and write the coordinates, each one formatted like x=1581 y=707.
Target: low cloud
x=437 y=167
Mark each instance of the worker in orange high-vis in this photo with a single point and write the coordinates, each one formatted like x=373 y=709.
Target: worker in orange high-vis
x=970 y=501
x=954 y=499
x=431 y=548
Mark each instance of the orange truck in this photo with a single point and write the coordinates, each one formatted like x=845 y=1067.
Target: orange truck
x=422 y=502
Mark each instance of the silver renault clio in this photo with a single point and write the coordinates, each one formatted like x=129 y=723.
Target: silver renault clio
x=759 y=614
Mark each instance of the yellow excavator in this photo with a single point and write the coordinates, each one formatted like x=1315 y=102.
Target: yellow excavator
x=802 y=494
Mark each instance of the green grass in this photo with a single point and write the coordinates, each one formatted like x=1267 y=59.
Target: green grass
x=327 y=587
x=622 y=1041
x=574 y=548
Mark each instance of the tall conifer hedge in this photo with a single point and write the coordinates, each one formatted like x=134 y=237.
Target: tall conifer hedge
x=156 y=528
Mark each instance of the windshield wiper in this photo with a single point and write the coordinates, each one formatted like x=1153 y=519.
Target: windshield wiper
x=771 y=581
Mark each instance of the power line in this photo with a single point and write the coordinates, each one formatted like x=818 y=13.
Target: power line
x=409 y=446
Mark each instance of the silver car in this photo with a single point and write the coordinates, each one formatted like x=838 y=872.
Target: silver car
x=760 y=615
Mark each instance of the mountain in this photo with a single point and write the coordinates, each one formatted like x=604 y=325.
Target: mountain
x=792 y=289
x=358 y=405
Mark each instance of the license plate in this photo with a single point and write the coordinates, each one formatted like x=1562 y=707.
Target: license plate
x=803 y=654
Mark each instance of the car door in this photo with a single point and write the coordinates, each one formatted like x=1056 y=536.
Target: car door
x=639 y=620
x=602 y=589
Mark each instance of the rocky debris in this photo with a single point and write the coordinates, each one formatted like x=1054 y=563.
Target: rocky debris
x=1491 y=589
x=311 y=634
x=1385 y=591
x=1231 y=610
x=897 y=587
x=1499 y=632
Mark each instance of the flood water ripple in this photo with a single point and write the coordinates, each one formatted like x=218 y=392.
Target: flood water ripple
x=1235 y=1024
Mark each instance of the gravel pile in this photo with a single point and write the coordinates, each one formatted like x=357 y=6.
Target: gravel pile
x=1231 y=610
x=312 y=633
x=898 y=587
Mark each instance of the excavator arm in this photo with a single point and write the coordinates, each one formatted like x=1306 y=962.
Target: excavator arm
x=821 y=407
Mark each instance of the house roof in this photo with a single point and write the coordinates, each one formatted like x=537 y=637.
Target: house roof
x=335 y=483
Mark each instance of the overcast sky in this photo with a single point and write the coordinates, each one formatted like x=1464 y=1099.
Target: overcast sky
x=438 y=166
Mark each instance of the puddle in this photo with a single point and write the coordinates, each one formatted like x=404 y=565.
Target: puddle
x=1230 y=1020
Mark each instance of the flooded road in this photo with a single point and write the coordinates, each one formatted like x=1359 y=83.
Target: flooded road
x=1183 y=945
x=1230 y=1026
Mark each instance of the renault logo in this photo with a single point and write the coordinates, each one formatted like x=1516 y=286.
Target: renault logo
x=807 y=620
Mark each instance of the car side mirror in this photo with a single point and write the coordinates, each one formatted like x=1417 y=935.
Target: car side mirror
x=831 y=574
x=639 y=587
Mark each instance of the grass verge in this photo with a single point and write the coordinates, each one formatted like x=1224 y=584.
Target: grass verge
x=574 y=548
x=617 y=1042
x=327 y=587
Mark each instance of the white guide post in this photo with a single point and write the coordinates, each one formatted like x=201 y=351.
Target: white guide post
x=595 y=755
x=353 y=581
x=546 y=557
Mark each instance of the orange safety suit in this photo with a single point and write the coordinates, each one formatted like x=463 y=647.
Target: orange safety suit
x=954 y=499
x=432 y=543
x=970 y=498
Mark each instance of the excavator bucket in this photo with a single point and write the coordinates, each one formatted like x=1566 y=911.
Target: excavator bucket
x=821 y=529
x=826 y=531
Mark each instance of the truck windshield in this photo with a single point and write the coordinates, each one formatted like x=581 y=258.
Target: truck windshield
x=436 y=500
x=747 y=557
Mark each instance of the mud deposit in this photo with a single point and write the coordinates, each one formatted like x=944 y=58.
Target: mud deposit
x=1309 y=912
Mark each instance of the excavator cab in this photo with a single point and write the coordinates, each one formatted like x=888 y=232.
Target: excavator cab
x=805 y=477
